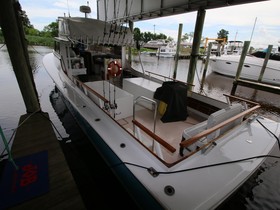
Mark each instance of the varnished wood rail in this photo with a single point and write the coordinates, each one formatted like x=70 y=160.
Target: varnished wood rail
x=216 y=127
x=154 y=136
x=241 y=99
x=91 y=90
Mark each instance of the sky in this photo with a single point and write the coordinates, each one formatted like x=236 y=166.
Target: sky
x=255 y=22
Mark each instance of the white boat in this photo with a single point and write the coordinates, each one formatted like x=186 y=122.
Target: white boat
x=233 y=48
x=171 y=148
x=167 y=51
x=228 y=64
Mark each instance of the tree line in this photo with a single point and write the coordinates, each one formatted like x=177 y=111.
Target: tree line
x=35 y=36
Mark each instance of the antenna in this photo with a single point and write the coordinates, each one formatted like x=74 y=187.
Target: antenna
x=68 y=9
x=253 y=29
x=85 y=9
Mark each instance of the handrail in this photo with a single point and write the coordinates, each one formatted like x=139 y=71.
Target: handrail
x=149 y=72
x=216 y=127
x=154 y=136
x=155 y=113
x=150 y=100
x=241 y=99
x=91 y=90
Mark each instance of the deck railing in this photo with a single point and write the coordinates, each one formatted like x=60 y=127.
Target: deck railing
x=206 y=132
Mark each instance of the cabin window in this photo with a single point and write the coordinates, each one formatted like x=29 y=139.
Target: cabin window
x=56 y=47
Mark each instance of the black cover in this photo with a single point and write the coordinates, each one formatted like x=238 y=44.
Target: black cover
x=174 y=94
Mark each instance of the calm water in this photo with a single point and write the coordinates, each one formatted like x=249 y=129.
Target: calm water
x=261 y=191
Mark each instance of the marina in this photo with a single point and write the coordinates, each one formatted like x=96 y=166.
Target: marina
x=136 y=122
x=215 y=86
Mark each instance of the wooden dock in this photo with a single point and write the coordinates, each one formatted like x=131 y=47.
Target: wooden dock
x=34 y=135
x=255 y=85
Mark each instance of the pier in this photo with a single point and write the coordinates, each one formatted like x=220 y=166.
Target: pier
x=35 y=134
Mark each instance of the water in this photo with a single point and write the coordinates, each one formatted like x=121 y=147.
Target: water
x=261 y=191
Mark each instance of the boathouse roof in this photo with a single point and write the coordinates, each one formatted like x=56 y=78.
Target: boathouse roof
x=135 y=10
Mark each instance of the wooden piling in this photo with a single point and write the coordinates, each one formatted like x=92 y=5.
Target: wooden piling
x=12 y=30
x=177 y=50
x=206 y=65
x=196 y=44
x=265 y=63
x=240 y=65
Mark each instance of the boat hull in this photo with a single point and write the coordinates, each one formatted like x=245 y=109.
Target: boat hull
x=177 y=187
x=228 y=65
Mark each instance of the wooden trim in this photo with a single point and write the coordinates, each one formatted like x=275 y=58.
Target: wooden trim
x=241 y=99
x=154 y=136
x=91 y=90
x=216 y=127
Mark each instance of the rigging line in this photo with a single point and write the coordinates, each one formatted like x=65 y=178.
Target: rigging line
x=115 y=104
x=126 y=28
x=130 y=8
x=196 y=168
x=68 y=9
x=118 y=8
x=269 y=132
x=2 y=46
x=199 y=81
x=10 y=157
x=105 y=25
x=109 y=91
x=36 y=50
x=53 y=126
x=143 y=70
x=11 y=138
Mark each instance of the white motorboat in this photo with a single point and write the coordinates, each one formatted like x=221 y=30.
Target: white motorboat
x=167 y=51
x=228 y=64
x=171 y=148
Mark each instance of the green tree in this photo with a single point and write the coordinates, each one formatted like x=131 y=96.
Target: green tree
x=191 y=35
x=27 y=26
x=25 y=19
x=160 y=36
x=137 y=35
x=148 y=36
x=223 y=34
x=51 y=30
x=169 y=39
x=185 y=37
x=31 y=31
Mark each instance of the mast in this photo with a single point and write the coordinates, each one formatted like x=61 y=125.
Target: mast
x=253 y=29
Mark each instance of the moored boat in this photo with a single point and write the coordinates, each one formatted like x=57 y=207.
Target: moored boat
x=251 y=69
x=171 y=148
x=167 y=51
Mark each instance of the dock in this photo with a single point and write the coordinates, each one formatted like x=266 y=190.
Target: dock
x=36 y=134
x=255 y=85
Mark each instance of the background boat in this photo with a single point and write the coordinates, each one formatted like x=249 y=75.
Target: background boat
x=251 y=69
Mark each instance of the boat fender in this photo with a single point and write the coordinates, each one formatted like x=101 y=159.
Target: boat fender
x=114 y=69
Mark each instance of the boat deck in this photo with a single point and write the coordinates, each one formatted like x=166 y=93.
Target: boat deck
x=170 y=132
